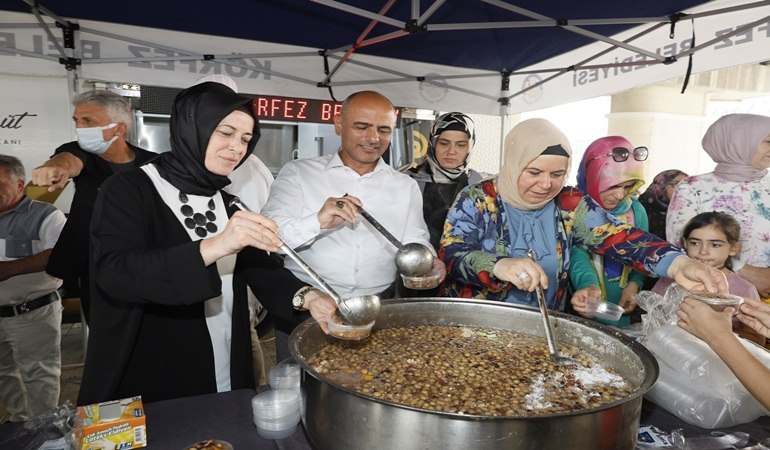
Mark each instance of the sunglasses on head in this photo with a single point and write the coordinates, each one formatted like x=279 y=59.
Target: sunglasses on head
x=620 y=154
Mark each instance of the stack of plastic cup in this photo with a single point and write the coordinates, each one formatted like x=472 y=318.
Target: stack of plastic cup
x=285 y=375
x=276 y=413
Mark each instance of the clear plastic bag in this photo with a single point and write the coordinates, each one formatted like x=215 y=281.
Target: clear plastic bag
x=50 y=430
x=694 y=383
x=704 y=404
x=661 y=310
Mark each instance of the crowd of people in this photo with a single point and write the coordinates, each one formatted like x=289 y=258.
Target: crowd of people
x=169 y=270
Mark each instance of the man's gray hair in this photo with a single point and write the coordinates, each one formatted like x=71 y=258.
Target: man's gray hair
x=118 y=109
x=14 y=167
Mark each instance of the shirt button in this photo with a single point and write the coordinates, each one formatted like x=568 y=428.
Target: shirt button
x=356 y=270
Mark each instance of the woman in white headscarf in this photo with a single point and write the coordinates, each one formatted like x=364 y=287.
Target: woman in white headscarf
x=494 y=223
x=739 y=185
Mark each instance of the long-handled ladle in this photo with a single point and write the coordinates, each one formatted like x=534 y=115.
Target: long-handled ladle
x=555 y=356
x=359 y=310
x=412 y=259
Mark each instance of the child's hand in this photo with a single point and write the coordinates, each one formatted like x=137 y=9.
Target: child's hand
x=627 y=301
x=579 y=298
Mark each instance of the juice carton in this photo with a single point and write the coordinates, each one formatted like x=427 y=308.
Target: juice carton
x=113 y=425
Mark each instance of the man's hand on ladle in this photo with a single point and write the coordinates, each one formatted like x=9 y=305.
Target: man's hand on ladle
x=337 y=210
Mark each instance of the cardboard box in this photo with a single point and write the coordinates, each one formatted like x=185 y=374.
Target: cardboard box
x=114 y=425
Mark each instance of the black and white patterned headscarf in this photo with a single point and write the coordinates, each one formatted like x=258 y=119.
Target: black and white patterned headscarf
x=453 y=121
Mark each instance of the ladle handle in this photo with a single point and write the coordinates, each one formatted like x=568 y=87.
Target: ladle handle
x=298 y=259
x=544 y=314
x=381 y=229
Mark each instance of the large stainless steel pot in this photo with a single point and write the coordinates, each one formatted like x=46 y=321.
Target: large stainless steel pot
x=338 y=418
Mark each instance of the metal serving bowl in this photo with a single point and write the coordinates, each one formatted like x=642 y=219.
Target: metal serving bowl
x=339 y=418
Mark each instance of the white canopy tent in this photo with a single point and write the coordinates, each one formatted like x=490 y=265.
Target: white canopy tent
x=727 y=33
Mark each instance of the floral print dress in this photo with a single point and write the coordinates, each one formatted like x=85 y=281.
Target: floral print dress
x=476 y=237
x=748 y=202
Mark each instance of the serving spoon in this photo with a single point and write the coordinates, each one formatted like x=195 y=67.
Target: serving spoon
x=412 y=259
x=555 y=356
x=360 y=310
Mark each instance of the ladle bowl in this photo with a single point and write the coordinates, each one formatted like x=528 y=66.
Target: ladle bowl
x=360 y=310
x=414 y=260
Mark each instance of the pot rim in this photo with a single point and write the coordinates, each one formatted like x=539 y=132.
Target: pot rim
x=646 y=357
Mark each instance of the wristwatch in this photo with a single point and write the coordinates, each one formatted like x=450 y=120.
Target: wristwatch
x=299 y=298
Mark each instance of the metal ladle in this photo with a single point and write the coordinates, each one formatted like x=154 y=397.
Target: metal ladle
x=360 y=310
x=413 y=259
x=555 y=356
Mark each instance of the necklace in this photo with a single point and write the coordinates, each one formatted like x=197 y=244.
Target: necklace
x=202 y=223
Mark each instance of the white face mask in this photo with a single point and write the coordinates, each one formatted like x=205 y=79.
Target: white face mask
x=92 y=139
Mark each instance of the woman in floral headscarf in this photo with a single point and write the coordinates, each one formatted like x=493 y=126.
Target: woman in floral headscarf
x=656 y=198
x=739 y=185
x=495 y=222
x=610 y=173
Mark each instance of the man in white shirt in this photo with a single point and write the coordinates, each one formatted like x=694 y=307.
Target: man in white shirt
x=316 y=202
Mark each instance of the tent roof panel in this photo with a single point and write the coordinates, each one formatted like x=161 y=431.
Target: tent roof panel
x=315 y=25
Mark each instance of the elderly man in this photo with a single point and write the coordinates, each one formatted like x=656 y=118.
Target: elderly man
x=30 y=311
x=102 y=121
x=316 y=204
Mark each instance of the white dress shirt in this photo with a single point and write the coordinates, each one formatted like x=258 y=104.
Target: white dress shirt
x=354 y=259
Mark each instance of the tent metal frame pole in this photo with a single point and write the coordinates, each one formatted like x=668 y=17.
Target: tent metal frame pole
x=361 y=12
x=359 y=40
x=49 y=33
x=574 y=29
x=581 y=64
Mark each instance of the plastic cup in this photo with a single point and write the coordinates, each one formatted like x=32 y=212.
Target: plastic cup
x=276 y=413
x=428 y=281
x=718 y=302
x=348 y=332
x=603 y=310
x=286 y=375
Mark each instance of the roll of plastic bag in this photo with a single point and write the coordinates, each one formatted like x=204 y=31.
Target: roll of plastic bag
x=702 y=404
x=688 y=355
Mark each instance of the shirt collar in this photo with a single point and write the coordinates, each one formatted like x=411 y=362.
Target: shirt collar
x=336 y=161
x=23 y=205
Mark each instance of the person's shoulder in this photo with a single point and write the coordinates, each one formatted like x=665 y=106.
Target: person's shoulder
x=741 y=287
x=42 y=207
x=74 y=149
x=126 y=179
x=569 y=197
x=143 y=155
x=475 y=176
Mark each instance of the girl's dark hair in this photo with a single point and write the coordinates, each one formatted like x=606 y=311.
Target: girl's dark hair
x=725 y=222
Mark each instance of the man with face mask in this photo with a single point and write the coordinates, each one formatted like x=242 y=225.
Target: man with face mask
x=102 y=120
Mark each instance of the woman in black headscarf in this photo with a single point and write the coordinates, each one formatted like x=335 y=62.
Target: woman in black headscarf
x=171 y=261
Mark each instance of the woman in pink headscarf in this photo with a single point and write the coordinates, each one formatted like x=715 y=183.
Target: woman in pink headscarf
x=611 y=171
x=739 y=185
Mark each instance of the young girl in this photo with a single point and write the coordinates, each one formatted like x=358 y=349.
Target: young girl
x=712 y=238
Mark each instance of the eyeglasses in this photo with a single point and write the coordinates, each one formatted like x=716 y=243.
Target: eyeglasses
x=620 y=154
